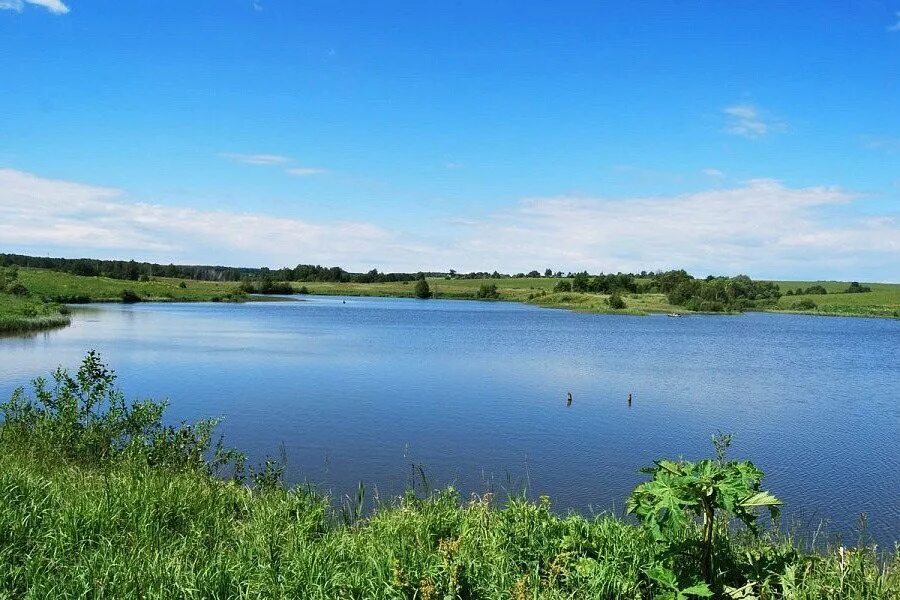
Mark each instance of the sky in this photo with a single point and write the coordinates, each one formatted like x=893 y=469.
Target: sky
x=733 y=137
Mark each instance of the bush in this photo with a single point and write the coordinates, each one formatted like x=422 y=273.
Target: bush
x=84 y=418
x=487 y=291
x=615 y=301
x=855 y=288
x=303 y=290
x=805 y=304
x=129 y=297
x=182 y=285
x=562 y=286
x=422 y=290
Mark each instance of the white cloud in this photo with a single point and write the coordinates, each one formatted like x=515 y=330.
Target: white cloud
x=305 y=171
x=895 y=26
x=39 y=213
x=760 y=227
x=54 y=6
x=256 y=159
x=714 y=173
x=748 y=121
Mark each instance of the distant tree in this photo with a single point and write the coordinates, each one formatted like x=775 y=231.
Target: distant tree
x=487 y=291
x=452 y=273
x=548 y=273
x=534 y=274
x=855 y=288
x=580 y=282
x=562 y=286
x=422 y=289
x=615 y=301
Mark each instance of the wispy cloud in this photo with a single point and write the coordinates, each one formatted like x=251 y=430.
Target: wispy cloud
x=305 y=171
x=884 y=143
x=746 y=120
x=895 y=26
x=256 y=159
x=54 y=6
x=714 y=173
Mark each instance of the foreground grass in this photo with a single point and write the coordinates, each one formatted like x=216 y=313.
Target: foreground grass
x=99 y=500
x=130 y=532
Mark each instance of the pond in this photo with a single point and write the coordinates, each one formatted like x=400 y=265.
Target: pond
x=362 y=389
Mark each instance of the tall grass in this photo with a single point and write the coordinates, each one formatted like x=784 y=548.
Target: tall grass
x=98 y=499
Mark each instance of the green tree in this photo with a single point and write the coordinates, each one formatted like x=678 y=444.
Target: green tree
x=616 y=302
x=487 y=291
x=422 y=289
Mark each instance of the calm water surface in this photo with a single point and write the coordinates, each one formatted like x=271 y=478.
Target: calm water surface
x=475 y=392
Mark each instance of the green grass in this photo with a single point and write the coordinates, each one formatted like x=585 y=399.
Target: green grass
x=98 y=500
x=25 y=314
x=43 y=282
x=882 y=301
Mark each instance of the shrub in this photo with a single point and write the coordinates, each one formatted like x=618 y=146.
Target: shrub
x=422 y=289
x=805 y=304
x=855 y=288
x=129 y=297
x=615 y=301
x=303 y=290
x=182 y=285
x=562 y=286
x=487 y=291
x=84 y=418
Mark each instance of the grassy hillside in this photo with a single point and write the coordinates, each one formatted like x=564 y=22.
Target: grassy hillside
x=56 y=284
x=99 y=500
x=882 y=301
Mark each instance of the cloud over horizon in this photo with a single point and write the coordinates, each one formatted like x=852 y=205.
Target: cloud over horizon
x=760 y=227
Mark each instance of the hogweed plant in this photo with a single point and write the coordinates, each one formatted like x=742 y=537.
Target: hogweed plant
x=685 y=502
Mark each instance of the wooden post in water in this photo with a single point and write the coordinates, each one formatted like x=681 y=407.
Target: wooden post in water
x=569 y=399
x=629 y=399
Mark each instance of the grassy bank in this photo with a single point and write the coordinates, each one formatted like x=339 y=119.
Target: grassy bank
x=98 y=499
x=23 y=315
x=882 y=301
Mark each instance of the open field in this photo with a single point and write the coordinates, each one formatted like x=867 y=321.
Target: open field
x=882 y=301
x=97 y=289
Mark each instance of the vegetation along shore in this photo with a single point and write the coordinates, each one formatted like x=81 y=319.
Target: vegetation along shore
x=33 y=291
x=101 y=499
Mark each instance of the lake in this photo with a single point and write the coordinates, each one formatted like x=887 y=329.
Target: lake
x=361 y=389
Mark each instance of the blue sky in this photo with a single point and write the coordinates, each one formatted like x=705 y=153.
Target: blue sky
x=758 y=137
